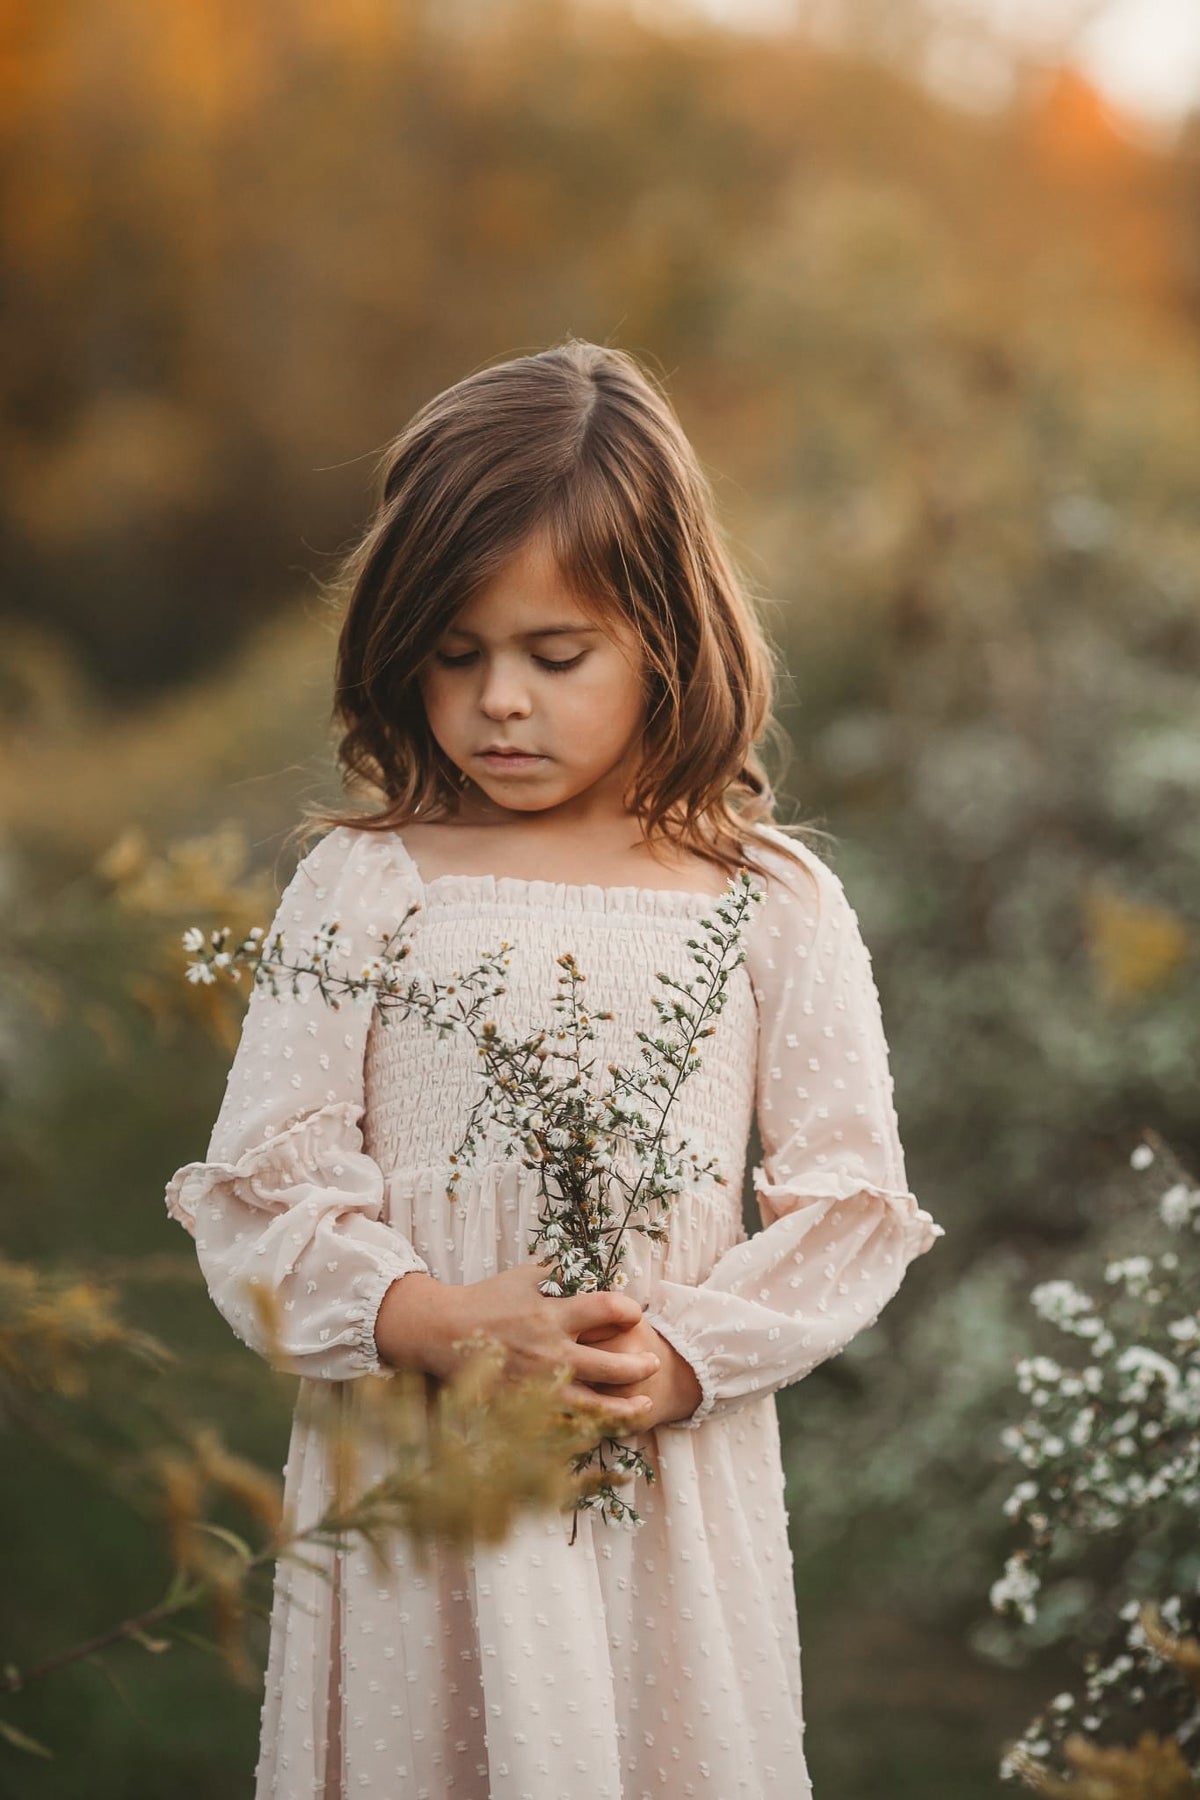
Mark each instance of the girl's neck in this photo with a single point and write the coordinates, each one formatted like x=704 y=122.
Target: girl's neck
x=614 y=854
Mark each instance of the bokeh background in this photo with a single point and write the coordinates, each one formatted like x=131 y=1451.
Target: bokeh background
x=923 y=280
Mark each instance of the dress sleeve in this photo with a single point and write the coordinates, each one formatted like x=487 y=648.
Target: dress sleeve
x=287 y=1199
x=839 y=1223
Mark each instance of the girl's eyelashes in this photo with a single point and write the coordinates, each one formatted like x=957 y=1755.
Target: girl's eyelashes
x=458 y=662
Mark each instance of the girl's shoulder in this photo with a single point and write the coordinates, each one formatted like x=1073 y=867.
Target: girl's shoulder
x=805 y=911
x=796 y=871
x=349 y=868
x=353 y=879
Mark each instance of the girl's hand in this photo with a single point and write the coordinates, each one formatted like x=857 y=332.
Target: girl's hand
x=421 y=1318
x=673 y=1390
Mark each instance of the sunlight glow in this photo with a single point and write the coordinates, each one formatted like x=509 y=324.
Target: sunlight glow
x=1144 y=55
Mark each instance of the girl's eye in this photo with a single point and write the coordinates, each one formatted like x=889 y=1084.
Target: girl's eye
x=547 y=662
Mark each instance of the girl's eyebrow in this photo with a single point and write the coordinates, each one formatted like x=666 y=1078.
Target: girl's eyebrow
x=537 y=631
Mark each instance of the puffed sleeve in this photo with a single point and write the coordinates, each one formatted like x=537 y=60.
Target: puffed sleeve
x=840 y=1226
x=287 y=1197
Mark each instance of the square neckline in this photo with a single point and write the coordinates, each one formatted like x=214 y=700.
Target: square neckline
x=625 y=896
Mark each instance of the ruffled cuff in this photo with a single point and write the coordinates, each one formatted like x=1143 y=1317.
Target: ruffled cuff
x=299 y=1215
x=788 y=1297
x=777 y=1198
x=267 y=1174
x=362 y=1350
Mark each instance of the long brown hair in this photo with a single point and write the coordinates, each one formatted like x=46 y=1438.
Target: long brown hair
x=580 y=443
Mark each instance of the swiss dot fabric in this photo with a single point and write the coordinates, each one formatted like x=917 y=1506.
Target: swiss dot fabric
x=631 y=1665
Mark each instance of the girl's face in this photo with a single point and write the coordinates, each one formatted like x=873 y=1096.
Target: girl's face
x=522 y=665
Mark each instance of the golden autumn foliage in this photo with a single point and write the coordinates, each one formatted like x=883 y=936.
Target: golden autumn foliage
x=52 y=1327
x=242 y=246
x=1136 y=947
x=1152 y=1769
x=454 y=1463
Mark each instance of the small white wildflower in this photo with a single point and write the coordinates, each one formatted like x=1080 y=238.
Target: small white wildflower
x=1024 y=1490
x=1081 y=1427
x=1059 y=1301
x=1134 y=1271
x=1016 y=1588
x=1139 y=1359
x=1141 y=1157
x=1177 y=1205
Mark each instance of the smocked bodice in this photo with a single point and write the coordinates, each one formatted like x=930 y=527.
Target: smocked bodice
x=420 y=1090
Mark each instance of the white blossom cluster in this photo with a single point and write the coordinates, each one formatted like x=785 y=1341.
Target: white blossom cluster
x=1132 y=1680
x=1111 y=1450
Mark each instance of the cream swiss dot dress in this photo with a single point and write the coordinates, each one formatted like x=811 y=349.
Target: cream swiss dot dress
x=662 y=1661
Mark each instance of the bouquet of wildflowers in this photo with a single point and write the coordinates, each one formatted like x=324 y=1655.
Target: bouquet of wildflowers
x=605 y=1162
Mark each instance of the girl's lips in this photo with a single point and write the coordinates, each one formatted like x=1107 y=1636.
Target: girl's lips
x=509 y=760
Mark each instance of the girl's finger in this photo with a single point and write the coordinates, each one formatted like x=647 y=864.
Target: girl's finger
x=583 y=1312
x=616 y=1368
x=633 y=1408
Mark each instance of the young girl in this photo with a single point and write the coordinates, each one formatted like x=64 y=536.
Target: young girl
x=551 y=677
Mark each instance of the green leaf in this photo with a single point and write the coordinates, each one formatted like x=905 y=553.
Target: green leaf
x=181 y=1580
x=197 y=1641
x=226 y=1536
x=20 y=1740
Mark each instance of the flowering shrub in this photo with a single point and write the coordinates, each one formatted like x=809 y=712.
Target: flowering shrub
x=1108 y=1502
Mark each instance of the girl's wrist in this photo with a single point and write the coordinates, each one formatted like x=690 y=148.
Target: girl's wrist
x=683 y=1384
x=417 y=1322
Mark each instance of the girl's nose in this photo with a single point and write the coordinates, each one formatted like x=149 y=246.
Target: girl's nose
x=503 y=697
